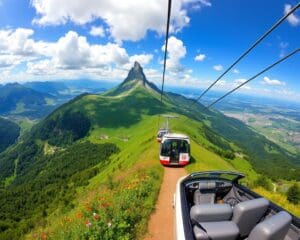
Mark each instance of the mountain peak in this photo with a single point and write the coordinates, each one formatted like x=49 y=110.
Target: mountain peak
x=134 y=78
x=137 y=66
x=136 y=73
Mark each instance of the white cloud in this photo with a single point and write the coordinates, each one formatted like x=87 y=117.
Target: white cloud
x=221 y=83
x=72 y=51
x=285 y=92
x=177 y=74
x=196 y=5
x=235 y=71
x=245 y=87
x=273 y=82
x=41 y=68
x=17 y=42
x=143 y=59
x=206 y=3
x=225 y=85
x=126 y=20
x=97 y=31
x=153 y=75
x=240 y=81
x=71 y=56
x=176 y=51
x=218 y=67
x=200 y=57
x=182 y=79
x=266 y=90
x=293 y=19
x=7 y=61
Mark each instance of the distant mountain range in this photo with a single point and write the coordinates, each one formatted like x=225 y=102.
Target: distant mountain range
x=37 y=99
x=15 y=97
x=53 y=88
x=70 y=87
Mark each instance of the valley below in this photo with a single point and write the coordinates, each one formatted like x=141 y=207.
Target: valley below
x=280 y=129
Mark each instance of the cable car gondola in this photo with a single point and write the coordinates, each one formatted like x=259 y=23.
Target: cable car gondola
x=175 y=149
x=161 y=133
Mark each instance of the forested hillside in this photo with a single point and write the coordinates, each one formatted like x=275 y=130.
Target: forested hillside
x=9 y=133
x=14 y=95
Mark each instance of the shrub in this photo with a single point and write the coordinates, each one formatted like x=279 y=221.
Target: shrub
x=293 y=194
x=228 y=154
x=262 y=181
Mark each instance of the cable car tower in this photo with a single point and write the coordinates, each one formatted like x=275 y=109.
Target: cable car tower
x=165 y=129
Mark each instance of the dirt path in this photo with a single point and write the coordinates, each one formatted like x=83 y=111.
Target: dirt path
x=161 y=224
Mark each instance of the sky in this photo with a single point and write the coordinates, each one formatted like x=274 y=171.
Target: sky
x=73 y=39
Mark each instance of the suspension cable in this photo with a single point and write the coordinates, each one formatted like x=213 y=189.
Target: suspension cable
x=165 y=51
x=255 y=76
x=250 y=49
x=165 y=57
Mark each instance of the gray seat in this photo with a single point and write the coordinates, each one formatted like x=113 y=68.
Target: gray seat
x=247 y=214
x=206 y=193
x=226 y=230
x=273 y=228
x=211 y=212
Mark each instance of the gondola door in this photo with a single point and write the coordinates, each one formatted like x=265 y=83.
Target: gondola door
x=174 y=156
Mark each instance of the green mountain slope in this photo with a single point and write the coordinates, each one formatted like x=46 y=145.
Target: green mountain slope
x=16 y=99
x=9 y=133
x=105 y=143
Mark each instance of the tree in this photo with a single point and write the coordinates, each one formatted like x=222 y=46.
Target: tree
x=262 y=181
x=293 y=194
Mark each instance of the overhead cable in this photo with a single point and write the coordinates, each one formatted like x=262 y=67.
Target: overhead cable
x=251 y=48
x=165 y=51
x=255 y=76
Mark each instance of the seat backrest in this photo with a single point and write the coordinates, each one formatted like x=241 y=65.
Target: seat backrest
x=247 y=214
x=207 y=186
x=224 y=230
x=206 y=193
x=275 y=227
x=208 y=212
